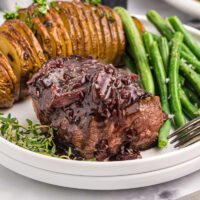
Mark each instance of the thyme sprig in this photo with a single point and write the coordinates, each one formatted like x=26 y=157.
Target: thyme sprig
x=34 y=137
x=30 y=136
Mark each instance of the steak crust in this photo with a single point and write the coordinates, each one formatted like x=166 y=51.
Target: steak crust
x=100 y=111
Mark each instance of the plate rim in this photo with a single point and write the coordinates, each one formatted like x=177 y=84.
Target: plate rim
x=186 y=6
x=101 y=183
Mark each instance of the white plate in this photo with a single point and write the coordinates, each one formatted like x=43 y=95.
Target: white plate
x=101 y=183
x=191 y=7
x=153 y=159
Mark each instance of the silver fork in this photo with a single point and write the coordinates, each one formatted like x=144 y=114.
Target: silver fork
x=187 y=134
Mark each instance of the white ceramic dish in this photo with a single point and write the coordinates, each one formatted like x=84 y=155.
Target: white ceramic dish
x=191 y=7
x=153 y=159
x=101 y=183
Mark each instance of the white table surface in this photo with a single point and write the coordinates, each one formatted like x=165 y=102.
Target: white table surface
x=14 y=186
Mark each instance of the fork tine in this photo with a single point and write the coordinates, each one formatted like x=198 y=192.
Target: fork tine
x=188 y=138
x=184 y=134
x=191 y=123
x=192 y=141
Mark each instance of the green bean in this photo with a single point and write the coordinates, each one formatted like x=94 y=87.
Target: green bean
x=192 y=96
x=160 y=75
x=164 y=29
x=188 y=39
x=189 y=109
x=148 y=39
x=155 y=37
x=137 y=49
x=160 y=24
x=164 y=52
x=190 y=60
x=176 y=108
x=181 y=80
x=191 y=76
x=168 y=23
x=188 y=51
x=129 y=62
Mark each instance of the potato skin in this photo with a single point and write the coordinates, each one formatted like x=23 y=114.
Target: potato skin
x=113 y=32
x=63 y=34
x=107 y=35
x=28 y=56
x=50 y=26
x=139 y=25
x=79 y=36
x=121 y=36
x=40 y=32
x=28 y=34
x=70 y=22
x=91 y=27
x=18 y=59
x=87 y=50
x=99 y=31
x=4 y=63
x=6 y=89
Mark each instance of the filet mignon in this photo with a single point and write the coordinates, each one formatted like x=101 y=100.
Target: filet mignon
x=100 y=111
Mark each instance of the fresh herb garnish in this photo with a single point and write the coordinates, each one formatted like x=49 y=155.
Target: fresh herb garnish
x=34 y=137
x=43 y=6
x=11 y=15
x=35 y=14
x=28 y=19
x=102 y=15
x=28 y=136
x=111 y=19
x=52 y=4
x=96 y=2
x=43 y=9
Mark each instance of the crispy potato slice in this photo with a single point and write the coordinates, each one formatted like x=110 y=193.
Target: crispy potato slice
x=28 y=34
x=78 y=28
x=70 y=23
x=14 y=54
x=39 y=30
x=121 y=36
x=19 y=37
x=28 y=55
x=90 y=22
x=62 y=32
x=84 y=28
x=4 y=63
x=6 y=89
x=113 y=31
x=107 y=34
x=99 y=30
x=50 y=25
x=139 y=26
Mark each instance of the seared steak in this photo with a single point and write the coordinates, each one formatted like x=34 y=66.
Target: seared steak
x=100 y=111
